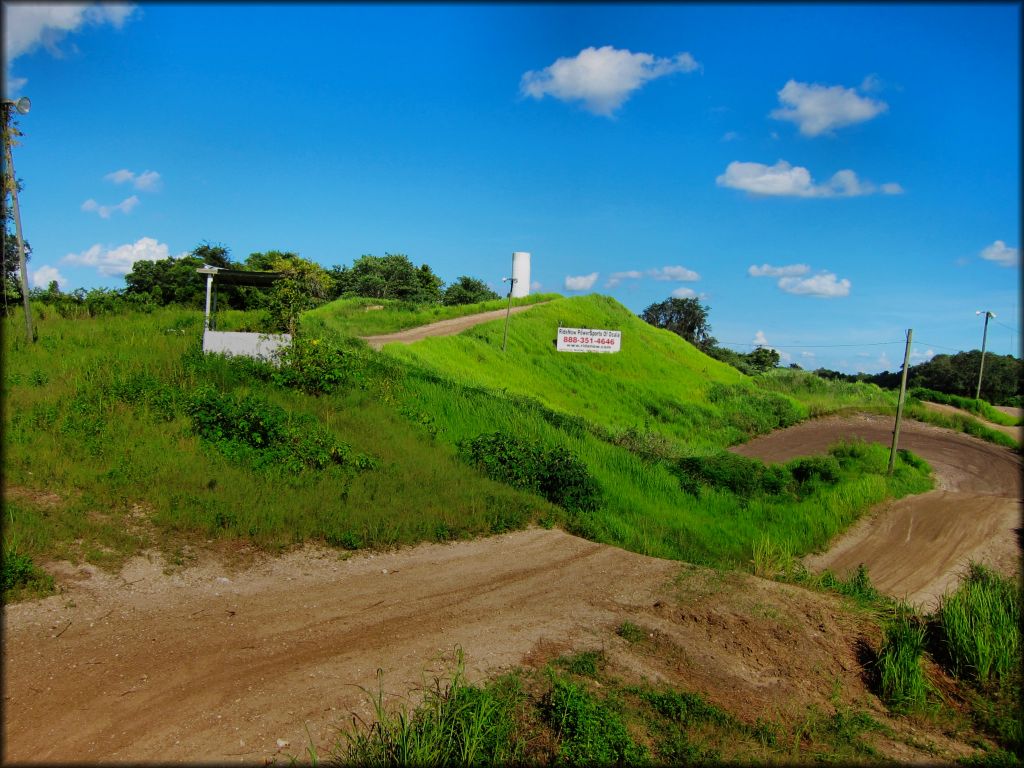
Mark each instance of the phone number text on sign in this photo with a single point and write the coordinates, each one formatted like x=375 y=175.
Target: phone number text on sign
x=588 y=340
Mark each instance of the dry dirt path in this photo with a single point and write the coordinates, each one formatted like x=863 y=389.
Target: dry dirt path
x=215 y=666
x=442 y=327
x=915 y=548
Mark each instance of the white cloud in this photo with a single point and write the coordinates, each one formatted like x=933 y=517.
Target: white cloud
x=44 y=275
x=580 y=282
x=602 y=78
x=119 y=260
x=684 y=293
x=104 y=211
x=681 y=274
x=148 y=181
x=730 y=136
x=807 y=354
x=1001 y=254
x=785 y=180
x=767 y=270
x=674 y=273
x=760 y=339
x=926 y=355
x=30 y=25
x=535 y=286
x=824 y=285
x=618 y=277
x=891 y=188
x=819 y=109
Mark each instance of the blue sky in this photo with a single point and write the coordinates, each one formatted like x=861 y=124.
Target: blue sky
x=823 y=177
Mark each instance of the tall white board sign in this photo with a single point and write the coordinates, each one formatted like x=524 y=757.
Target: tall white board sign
x=588 y=340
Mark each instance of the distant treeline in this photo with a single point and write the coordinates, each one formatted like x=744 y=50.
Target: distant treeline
x=953 y=375
x=304 y=285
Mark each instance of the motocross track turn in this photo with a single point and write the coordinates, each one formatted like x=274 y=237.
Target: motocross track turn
x=207 y=664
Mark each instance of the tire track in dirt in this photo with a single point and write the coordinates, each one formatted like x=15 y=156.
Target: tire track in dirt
x=187 y=672
x=915 y=548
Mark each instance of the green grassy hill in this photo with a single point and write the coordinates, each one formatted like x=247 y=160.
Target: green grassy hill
x=630 y=418
x=650 y=382
x=120 y=434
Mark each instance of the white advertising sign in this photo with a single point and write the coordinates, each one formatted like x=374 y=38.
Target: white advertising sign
x=588 y=340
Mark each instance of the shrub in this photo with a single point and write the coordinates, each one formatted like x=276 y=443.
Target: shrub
x=554 y=473
x=253 y=431
x=319 y=366
x=737 y=474
x=823 y=469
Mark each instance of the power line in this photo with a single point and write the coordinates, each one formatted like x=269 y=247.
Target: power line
x=815 y=346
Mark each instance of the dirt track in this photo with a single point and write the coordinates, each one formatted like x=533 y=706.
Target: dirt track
x=442 y=327
x=208 y=665
x=916 y=547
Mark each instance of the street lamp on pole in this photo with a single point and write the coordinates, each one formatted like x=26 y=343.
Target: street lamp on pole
x=22 y=105
x=511 y=286
x=984 y=338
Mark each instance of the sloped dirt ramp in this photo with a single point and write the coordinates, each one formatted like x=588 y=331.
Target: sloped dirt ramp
x=916 y=548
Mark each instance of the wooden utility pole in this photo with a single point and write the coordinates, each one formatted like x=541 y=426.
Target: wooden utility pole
x=981 y=367
x=899 y=405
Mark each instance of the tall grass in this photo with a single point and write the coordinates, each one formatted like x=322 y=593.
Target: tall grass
x=903 y=685
x=960 y=422
x=980 y=627
x=455 y=724
x=976 y=406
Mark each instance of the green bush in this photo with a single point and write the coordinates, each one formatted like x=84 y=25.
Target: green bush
x=554 y=473
x=823 y=469
x=737 y=474
x=318 y=366
x=251 y=430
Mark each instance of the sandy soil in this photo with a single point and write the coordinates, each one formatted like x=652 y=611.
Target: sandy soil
x=442 y=327
x=915 y=548
x=203 y=664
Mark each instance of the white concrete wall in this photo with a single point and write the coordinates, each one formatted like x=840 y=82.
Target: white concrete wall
x=258 y=345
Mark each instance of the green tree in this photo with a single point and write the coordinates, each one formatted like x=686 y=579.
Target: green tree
x=304 y=285
x=686 y=317
x=467 y=290
x=168 y=281
x=762 y=359
x=11 y=271
x=392 y=276
x=175 y=281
